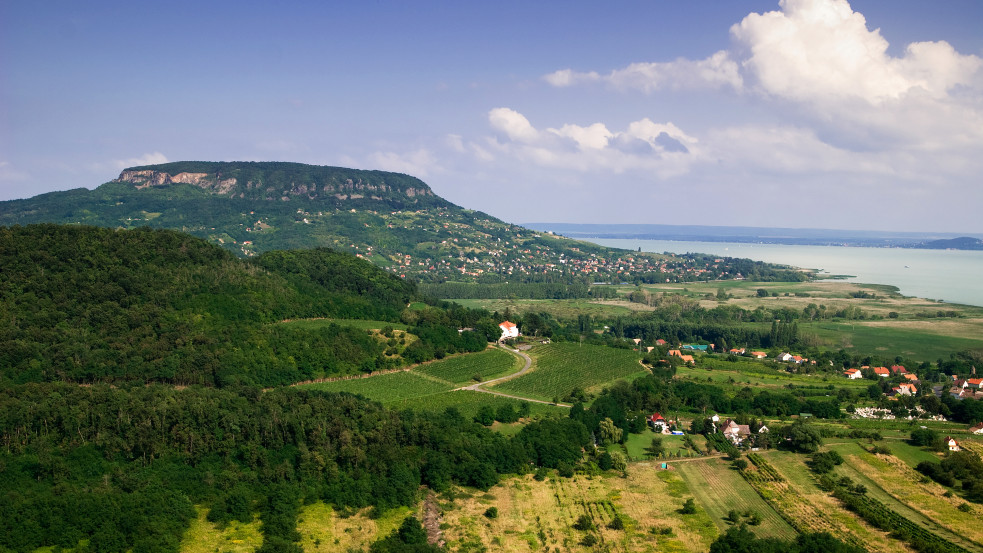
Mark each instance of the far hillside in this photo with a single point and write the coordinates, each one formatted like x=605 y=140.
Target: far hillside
x=393 y=220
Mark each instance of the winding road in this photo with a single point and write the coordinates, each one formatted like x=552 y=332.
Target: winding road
x=479 y=387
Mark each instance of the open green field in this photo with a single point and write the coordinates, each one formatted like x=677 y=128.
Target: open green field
x=720 y=489
x=391 y=389
x=561 y=367
x=468 y=402
x=724 y=374
x=636 y=444
x=461 y=369
x=925 y=340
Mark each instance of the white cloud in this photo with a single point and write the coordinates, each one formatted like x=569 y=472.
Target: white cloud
x=418 y=163
x=821 y=50
x=146 y=159
x=661 y=148
x=716 y=72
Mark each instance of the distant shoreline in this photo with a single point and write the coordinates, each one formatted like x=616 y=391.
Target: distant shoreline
x=765 y=235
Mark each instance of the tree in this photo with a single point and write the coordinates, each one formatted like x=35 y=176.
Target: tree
x=689 y=507
x=656 y=447
x=609 y=433
x=802 y=437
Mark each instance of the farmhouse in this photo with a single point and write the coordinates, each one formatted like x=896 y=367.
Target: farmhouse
x=784 y=357
x=882 y=372
x=759 y=354
x=509 y=330
x=951 y=443
x=898 y=369
x=853 y=374
x=659 y=423
x=978 y=429
x=734 y=432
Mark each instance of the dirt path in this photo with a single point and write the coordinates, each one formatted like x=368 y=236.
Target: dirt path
x=431 y=520
x=479 y=387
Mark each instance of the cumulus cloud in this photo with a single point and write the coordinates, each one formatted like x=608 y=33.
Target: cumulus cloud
x=662 y=148
x=821 y=50
x=146 y=159
x=715 y=72
x=418 y=163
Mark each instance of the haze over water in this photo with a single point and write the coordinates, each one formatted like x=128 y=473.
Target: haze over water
x=955 y=276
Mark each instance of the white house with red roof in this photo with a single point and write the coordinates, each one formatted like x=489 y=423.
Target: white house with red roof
x=509 y=330
x=853 y=374
x=882 y=372
x=759 y=354
x=898 y=369
x=659 y=423
x=978 y=429
x=952 y=444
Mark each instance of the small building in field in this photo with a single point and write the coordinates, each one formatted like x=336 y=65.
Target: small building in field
x=509 y=330
x=853 y=374
x=952 y=444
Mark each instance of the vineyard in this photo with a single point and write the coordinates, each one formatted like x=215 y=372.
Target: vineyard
x=390 y=389
x=880 y=516
x=462 y=369
x=561 y=367
x=708 y=480
x=807 y=509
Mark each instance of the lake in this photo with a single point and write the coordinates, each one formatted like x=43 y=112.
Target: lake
x=955 y=276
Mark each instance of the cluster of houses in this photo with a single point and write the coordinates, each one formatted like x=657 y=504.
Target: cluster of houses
x=734 y=432
x=966 y=388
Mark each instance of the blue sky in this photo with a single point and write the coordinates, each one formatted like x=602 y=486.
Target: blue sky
x=804 y=113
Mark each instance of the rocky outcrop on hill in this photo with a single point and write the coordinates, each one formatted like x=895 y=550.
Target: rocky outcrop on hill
x=281 y=181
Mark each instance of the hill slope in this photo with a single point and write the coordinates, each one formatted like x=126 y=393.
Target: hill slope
x=393 y=220
x=87 y=304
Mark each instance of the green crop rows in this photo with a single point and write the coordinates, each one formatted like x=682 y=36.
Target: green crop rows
x=562 y=367
x=386 y=388
x=462 y=369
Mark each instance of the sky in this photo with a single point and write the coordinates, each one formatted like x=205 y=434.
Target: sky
x=794 y=113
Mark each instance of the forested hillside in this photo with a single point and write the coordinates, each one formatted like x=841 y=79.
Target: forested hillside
x=393 y=220
x=120 y=468
x=87 y=304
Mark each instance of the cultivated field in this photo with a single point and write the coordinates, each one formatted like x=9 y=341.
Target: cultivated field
x=561 y=367
x=462 y=369
x=708 y=478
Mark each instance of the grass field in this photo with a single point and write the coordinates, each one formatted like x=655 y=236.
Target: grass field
x=707 y=479
x=322 y=530
x=798 y=497
x=636 y=444
x=391 y=389
x=918 y=340
x=895 y=484
x=539 y=516
x=461 y=369
x=205 y=537
x=469 y=402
